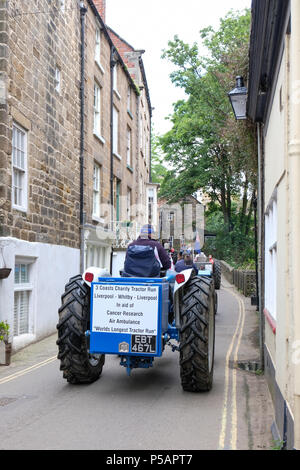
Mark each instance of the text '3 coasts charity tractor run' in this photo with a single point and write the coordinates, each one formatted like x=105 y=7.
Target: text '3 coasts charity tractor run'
x=135 y=318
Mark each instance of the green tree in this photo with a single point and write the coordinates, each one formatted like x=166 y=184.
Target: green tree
x=208 y=149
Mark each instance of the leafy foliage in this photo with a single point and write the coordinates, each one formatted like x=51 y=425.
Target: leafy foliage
x=208 y=149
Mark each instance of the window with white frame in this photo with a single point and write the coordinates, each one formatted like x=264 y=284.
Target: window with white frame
x=19 y=168
x=115 y=78
x=141 y=133
x=128 y=203
x=22 y=292
x=150 y=204
x=96 y=190
x=62 y=5
x=129 y=98
x=57 y=80
x=97 y=45
x=97 y=109
x=115 y=131
x=145 y=143
x=271 y=257
x=128 y=146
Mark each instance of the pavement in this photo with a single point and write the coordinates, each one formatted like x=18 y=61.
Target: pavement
x=256 y=406
x=255 y=413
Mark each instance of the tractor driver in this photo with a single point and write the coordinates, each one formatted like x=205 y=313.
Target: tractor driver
x=146 y=256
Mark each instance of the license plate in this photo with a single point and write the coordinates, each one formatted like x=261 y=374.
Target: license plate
x=143 y=344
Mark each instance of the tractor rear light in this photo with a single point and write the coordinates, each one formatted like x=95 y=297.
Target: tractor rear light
x=89 y=277
x=180 y=278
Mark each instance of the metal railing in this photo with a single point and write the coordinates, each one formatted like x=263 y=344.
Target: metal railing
x=244 y=280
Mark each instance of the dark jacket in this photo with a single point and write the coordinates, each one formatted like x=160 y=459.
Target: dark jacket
x=163 y=255
x=180 y=266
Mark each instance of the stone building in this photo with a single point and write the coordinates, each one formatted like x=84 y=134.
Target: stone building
x=181 y=223
x=71 y=166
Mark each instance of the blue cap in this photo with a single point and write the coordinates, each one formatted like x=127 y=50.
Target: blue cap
x=147 y=229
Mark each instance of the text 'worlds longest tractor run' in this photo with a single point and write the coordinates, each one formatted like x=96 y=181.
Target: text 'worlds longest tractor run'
x=135 y=318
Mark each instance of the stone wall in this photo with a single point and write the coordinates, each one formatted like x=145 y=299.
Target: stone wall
x=41 y=38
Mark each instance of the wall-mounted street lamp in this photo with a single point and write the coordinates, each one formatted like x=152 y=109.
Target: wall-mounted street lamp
x=238 y=99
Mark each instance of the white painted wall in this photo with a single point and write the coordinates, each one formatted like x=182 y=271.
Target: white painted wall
x=118 y=259
x=50 y=269
x=275 y=150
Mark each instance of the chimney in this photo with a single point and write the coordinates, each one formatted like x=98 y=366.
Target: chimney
x=101 y=7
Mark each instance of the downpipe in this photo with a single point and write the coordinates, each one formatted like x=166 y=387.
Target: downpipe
x=83 y=11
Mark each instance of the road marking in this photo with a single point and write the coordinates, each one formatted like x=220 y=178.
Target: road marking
x=234 y=387
x=238 y=332
x=26 y=371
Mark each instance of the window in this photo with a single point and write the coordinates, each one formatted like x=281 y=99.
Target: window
x=97 y=110
x=128 y=203
x=117 y=202
x=96 y=190
x=22 y=291
x=141 y=132
x=115 y=131
x=271 y=258
x=129 y=99
x=62 y=5
x=150 y=204
x=128 y=147
x=97 y=45
x=115 y=78
x=57 y=80
x=19 y=170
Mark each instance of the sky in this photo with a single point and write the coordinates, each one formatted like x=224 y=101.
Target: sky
x=149 y=25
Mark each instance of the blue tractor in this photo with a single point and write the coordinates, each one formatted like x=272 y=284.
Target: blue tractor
x=135 y=318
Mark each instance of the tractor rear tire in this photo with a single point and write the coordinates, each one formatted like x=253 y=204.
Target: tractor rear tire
x=197 y=335
x=77 y=364
x=217 y=274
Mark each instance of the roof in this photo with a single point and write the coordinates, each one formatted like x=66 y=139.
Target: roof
x=270 y=22
x=106 y=33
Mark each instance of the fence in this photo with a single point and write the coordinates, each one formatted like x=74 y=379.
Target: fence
x=243 y=280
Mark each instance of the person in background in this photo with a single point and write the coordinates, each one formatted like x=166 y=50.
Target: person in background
x=185 y=261
x=173 y=254
x=145 y=255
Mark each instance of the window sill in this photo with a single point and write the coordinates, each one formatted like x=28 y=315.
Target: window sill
x=99 y=137
x=97 y=219
x=130 y=114
x=117 y=156
x=270 y=320
x=117 y=94
x=101 y=68
x=23 y=287
x=20 y=209
x=129 y=168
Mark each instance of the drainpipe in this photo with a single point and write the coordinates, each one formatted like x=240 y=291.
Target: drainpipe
x=112 y=64
x=83 y=11
x=260 y=236
x=294 y=175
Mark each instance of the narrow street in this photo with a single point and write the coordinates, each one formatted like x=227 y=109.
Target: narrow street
x=148 y=410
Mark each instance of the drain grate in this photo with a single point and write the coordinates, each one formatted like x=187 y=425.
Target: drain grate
x=250 y=366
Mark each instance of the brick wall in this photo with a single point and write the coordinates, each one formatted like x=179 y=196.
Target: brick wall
x=101 y=7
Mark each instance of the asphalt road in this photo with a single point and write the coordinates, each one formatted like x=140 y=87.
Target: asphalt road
x=148 y=410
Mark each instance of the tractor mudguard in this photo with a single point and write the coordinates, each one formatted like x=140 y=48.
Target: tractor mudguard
x=180 y=280
x=93 y=273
